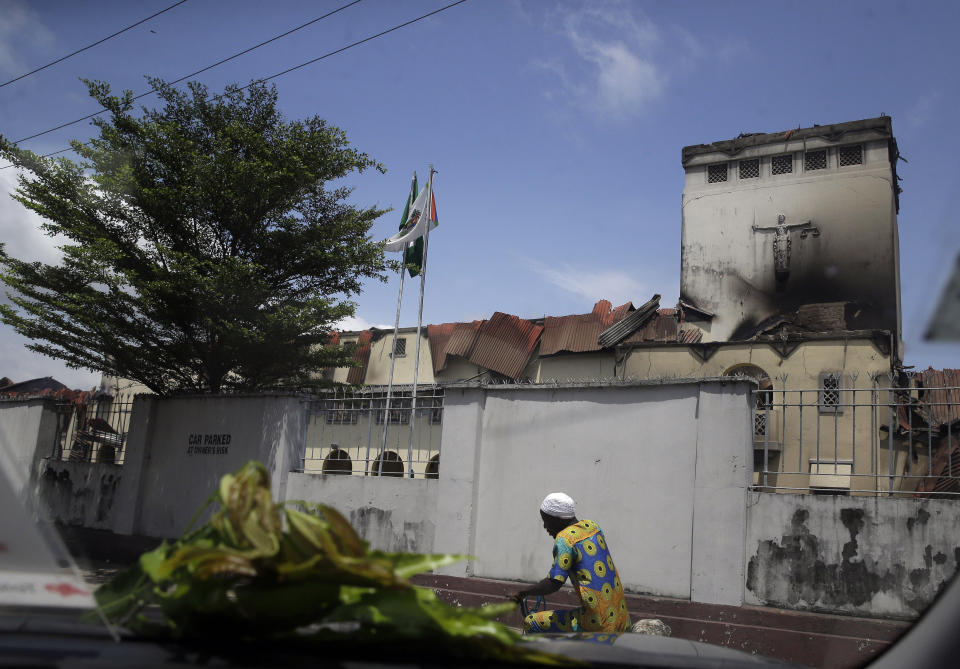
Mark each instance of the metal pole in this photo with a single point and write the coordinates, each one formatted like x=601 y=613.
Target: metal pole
x=393 y=359
x=890 y=434
x=393 y=349
x=416 y=358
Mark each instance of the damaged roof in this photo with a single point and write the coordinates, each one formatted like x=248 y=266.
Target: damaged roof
x=832 y=133
x=505 y=343
x=579 y=333
x=939 y=390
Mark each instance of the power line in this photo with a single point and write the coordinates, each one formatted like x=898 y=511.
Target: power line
x=90 y=46
x=279 y=74
x=193 y=74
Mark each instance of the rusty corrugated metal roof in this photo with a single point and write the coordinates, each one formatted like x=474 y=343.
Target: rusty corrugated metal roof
x=439 y=335
x=504 y=344
x=578 y=333
x=617 y=332
x=940 y=393
x=356 y=375
x=463 y=338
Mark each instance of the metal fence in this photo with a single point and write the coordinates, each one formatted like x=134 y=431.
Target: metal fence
x=94 y=430
x=868 y=439
x=358 y=431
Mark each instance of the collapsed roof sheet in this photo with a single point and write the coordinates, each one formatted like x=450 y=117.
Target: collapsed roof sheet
x=356 y=375
x=941 y=394
x=579 y=333
x=504 y=344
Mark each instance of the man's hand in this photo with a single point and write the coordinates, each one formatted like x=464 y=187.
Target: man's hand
x=518 y=596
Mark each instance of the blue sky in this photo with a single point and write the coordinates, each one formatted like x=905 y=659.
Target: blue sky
x=556 y=127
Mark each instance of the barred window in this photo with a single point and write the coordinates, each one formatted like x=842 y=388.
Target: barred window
x=342 y=411
x=815 y=160
x=430 y=407
x=782 y=164
x=750 y=169
x=400 y=347
x=399 y=409
x=716 y=173
x=851 y=155
x=830 y=388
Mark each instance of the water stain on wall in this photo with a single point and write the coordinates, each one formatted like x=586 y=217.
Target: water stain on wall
x=377 y=526
x=796 y=573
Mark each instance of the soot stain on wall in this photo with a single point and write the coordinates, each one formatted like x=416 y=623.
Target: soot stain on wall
x=794 y=571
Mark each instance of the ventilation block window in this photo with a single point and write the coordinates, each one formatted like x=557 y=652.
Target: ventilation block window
x=830 y=387
x=716 y=173
x=815 y=160
x=400 y=347
x=851 y=155
x=750 y=169
x=782 y=164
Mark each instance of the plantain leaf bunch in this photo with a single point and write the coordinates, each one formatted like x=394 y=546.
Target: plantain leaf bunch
x=261 y=571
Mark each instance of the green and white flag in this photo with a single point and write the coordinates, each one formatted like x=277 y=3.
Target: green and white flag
x=409 y=239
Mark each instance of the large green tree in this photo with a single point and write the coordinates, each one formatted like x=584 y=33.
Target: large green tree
x=205 y=247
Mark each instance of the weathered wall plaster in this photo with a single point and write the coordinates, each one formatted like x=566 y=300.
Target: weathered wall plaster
x=861 y=555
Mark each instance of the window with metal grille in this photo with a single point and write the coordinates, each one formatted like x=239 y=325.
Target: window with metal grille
x=399 y=408
x=759 y=424
x=851 y=155
x=830 y=387
x=716 y=173
x=815 y=160
x=400 y=347
x=750 y=169
x=782 y=164
x=342 y=411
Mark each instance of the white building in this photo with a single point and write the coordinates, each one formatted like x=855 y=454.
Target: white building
x=772 y=222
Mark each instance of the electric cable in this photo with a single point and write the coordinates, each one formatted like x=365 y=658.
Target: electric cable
x=264 y=79
x=90 y=46
x=193 y=74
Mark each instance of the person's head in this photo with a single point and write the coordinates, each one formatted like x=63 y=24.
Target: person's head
x=558 y=512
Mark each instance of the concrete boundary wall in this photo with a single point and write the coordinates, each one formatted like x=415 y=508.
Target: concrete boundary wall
x=27 y=431
x=663 y=467
x=628 y=453
x=393 y=514
x=876 y=556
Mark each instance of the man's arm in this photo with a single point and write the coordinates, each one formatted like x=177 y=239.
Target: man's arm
x=547 y=586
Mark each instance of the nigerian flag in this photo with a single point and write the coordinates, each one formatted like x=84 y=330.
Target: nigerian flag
x=413 y=256
x=419 y=213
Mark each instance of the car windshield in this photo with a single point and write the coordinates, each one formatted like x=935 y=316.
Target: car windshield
x=269 y=366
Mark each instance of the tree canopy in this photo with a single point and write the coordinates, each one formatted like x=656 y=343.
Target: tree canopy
x=205 y=249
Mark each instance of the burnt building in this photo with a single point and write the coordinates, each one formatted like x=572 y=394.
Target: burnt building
x=773 y=222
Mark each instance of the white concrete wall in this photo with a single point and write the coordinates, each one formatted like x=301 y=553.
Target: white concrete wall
x=27 y=431
x=392 y=514
x=859 y=555
x=176 y=478
x=627 y=454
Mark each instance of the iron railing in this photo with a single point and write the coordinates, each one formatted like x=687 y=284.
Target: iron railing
x=354 y=431
x=867 y=439
x=94 y=430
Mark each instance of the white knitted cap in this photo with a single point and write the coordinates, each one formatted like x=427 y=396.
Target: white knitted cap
x=559 y=505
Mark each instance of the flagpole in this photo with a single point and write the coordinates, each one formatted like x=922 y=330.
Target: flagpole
x=393 y=357
x=416 y=359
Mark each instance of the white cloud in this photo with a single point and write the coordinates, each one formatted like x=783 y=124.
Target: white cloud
x=353 y=323
x=20 y=229
x=614 y=72
x=606 y=284
x=923 y=109
x=18 y=25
